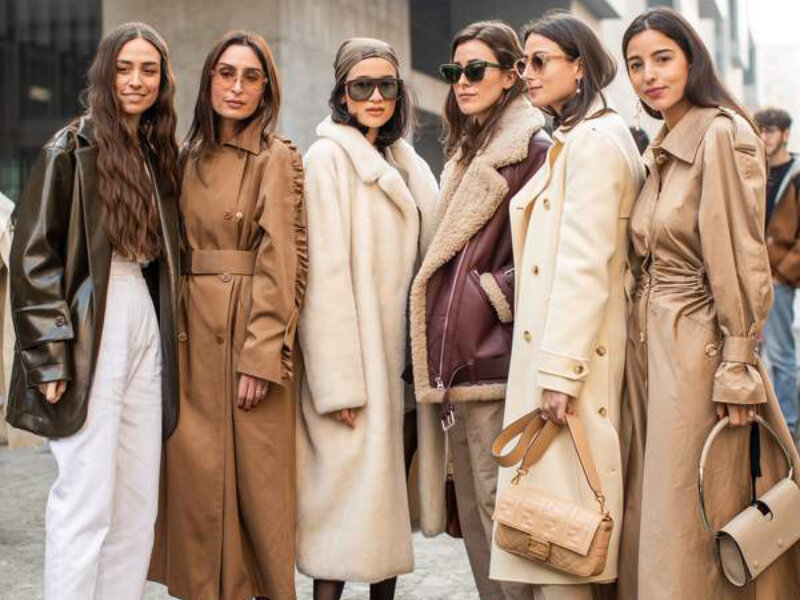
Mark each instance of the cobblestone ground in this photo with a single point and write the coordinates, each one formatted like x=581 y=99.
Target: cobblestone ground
x=442 y=571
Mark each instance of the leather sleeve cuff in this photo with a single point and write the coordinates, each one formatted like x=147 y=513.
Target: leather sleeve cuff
x=46 y=363
x=42 y=323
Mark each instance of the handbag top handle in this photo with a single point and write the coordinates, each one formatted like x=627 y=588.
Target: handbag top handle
x=722 y=424
x=535 y=436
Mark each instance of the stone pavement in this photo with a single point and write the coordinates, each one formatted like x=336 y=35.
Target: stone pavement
x=442 y=571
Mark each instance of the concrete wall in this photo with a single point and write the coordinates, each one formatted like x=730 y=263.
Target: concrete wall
x=303 y=34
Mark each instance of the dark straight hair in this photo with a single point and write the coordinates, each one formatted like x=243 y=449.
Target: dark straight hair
x=703 y=87
x=398 y=126
x=578 y=42
x=203 y=136
x=461 y=131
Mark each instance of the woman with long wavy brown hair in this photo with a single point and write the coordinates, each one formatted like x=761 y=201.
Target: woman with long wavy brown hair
x=227 y=521
x=94 y=257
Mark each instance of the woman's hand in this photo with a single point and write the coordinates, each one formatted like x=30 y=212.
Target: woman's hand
x=740 y=414
x=252 y=391
x=555 y=406
x=53 y=391
x=347 y=416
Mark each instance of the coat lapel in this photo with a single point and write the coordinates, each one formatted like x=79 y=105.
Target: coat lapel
x=100 y=250
x=471 y=195
x=370 y=166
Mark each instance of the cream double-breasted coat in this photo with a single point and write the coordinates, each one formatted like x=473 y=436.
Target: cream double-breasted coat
x=569 y=228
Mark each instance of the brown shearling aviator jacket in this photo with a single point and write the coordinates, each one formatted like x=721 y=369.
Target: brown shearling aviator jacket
x=59 y=266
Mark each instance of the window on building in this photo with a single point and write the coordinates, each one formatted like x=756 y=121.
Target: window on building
x=46 y=47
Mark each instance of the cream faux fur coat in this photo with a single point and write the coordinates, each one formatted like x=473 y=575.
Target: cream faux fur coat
x=368 y=219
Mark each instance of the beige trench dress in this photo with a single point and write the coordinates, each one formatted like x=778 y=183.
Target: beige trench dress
x=703 y=291
x=226 y=527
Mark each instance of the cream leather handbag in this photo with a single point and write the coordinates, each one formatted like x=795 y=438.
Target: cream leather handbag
x=559 y=533
x=767 y=528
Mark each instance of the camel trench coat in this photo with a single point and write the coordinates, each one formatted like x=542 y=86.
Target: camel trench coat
x=703 y=292
x=226 y=527
x=569 y=228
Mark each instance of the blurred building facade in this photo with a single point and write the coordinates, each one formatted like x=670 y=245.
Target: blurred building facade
x=45 y=47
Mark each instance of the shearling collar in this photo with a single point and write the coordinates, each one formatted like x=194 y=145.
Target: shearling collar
x=509 y=144
x=470 y=197
x=369 y=164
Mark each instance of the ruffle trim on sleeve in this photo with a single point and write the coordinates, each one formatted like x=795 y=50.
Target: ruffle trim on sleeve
x=301 y=248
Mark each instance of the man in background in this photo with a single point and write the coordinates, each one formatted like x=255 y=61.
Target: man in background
x=783 y=244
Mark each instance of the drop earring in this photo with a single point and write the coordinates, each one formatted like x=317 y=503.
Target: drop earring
x=578 y=89
x=637 y=115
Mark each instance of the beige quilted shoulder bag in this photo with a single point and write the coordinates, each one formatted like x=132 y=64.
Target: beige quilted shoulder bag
x=559 y=533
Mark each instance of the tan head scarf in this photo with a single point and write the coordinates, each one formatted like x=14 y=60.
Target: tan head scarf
x=354 y=50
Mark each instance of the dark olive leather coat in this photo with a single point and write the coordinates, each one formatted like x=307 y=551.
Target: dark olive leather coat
x=59 y=270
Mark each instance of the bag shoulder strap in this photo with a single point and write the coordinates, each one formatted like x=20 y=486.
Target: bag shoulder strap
x=536 y=436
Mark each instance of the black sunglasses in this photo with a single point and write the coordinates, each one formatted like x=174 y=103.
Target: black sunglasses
x=474 y=71
x=362 y=89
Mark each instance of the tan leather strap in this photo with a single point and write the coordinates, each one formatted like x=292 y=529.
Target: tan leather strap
x=722 y=424
x=526 y=428
x=217 y=262
x=739 y=349
x=531 y=446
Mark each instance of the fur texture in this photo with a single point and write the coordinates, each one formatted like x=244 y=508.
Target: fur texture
x=469 y=198
x=366 y=225
x=496 y=297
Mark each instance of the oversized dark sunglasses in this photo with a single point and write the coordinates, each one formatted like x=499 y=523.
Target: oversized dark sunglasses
x=362 y=89
x=474 y=71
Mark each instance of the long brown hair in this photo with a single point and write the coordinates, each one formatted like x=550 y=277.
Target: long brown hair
x=203 y=137
x=578 y=42
x=130 y=216
x=703 y=86
x=463 y=132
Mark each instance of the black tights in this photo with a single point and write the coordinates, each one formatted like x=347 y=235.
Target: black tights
x=383 y=590
x=332 y=590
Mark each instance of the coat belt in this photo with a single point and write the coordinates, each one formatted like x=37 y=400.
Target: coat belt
x=216 y=262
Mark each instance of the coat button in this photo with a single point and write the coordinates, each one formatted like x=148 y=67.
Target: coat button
x=602 y=411
x=535 y=269
x=578 y=369
x=182 y=337
x=60 y=321
x=220 y=339
x=527 y=335
x=601 y=351
x=711 y=350
x=239 y=215
x=228 y=215
x=226 y=277
x=661 y=159
x=546 y=204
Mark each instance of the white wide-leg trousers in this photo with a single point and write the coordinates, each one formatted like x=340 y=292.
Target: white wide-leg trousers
x=102 y=507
